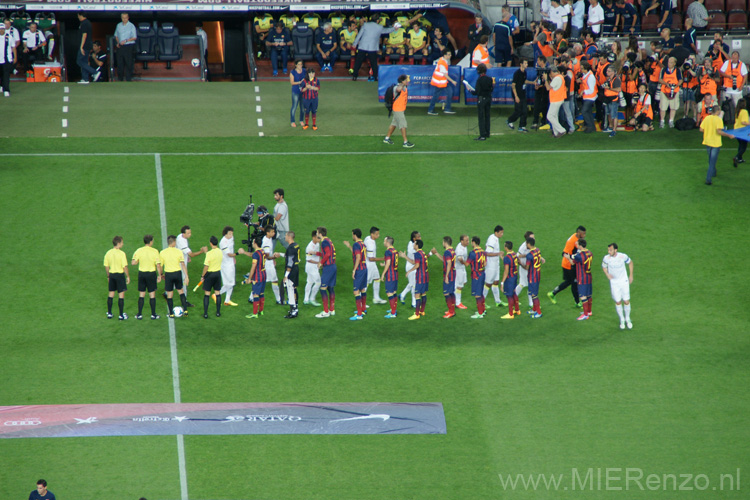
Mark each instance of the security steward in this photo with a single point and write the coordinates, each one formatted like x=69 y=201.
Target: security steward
x=483 y=91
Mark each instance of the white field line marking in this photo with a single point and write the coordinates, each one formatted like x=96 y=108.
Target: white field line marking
x=172 y=333
x=260 y=122
x=65 y=109
x=66 y=98
x=257 y=108
x=64 y=123
x=257 y=89
x=66 y=89
x=257 y=98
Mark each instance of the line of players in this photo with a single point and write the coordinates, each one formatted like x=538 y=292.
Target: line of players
x=521 y=269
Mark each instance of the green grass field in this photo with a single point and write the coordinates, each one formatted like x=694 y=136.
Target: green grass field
x=554 y=396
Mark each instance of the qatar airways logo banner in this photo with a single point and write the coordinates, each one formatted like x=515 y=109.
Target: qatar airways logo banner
x=156 y=419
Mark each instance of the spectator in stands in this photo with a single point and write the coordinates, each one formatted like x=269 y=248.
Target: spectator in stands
x=541 y=94
x=667 y=42
x=295 y=79
x=85 y=44
x=125 y=36
x=595 y=18
x=627 y=18
x=278 y=43
x=438 y=43
x=396 y=43
x=476 y=30
x=734 y=73
x=8 y=54
x=326 y=44
x=610 y=17
x=576 y=22
x=558 y=17
x=347 y=40
x=741 y=119
x=697 y=12
x=367 y=42
x=33 y=46
x=418 y=42
x=669 y=98
x=665 y=13
x=689 y=37
x=98 y=61
x=262 y=26
x=502 y=39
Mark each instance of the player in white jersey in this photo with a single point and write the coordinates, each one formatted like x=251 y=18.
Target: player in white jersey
x=373 y=275
x=461 y=255
x=613 y=266
x=267 y=247
x=412 y=277
x=226 y=245
x=184 y=246
x=311 y=269
x=492 y=272
x=523 y=273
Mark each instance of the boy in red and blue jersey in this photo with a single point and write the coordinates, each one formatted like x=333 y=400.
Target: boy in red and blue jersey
x=327 y=265
x=258 y=280
x=359 y=273
x=390 y=275
x=421 y=279
x=309 y=88
x=510 y=280
x=449 y=275
x=582 y=261
x=534 y=261
x=477 y=261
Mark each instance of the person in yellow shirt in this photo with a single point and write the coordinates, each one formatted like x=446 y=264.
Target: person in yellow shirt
x=289 y=20
x=396 y=42
x=418 y=42
x=116 y=267
x=713 y=128
x=347 y=38
x=148 y=261
x=211 y=276
x=262 y=25
x=173 y=265
x=741 y=119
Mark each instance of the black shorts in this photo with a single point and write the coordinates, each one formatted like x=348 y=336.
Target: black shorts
x=117 y=282
x=212 y=280
x=147 y=281
x=294 y=276
x=173 y=281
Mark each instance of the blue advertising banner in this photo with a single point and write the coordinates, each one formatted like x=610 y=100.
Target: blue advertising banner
x=420 y=89
x=502 y=93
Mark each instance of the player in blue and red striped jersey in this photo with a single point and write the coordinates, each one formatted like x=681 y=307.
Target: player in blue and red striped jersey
x=327 y=265
x=421 y=278
x=449 y=275
x=534 y=261
x=359 y=273
x=390 y=275
x=510 y=280
x=309 y=88
x=258 y=279
x=582 y=260
x=477 y=261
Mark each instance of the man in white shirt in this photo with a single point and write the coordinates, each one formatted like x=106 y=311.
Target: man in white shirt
x=613 y=266
x=226 y=245
x=461 y=254
x=523 y=273
x=34 y=42
x=558 y=15
x=576 y=21
x=271 y=277
x=734 y=73
x=183 y=246
x=311 y=269
x=544 y=7
x=409 y=266
x=373 y=275
x=281 y=216
x=596 y=18
x=7 y=57
x=492 y=271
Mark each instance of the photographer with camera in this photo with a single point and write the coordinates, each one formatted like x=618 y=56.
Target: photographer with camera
x=707 y=82
x=718 y=52
x=541 y=94
x=611 y=99
x=631 y=73
x=734 y=73
x=555 y=85
x=644 y=113
x=588 y=93
x=670 y=80
x=689 y=84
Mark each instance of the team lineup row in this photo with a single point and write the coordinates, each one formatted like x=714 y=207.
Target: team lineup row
x=520 y=268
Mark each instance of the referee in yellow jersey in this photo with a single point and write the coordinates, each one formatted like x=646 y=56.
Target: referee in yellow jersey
x=211 y=276
x=116 y=266
x=173 y=262
x=148 y=260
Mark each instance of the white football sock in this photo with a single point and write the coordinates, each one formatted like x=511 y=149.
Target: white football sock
x=627 y=312
x=228 y=293
x=314 y=291
x=458 y=297
x=290 y=292
x=496 y=293
x=275 y=288
x=376 y=290
x=618 y=307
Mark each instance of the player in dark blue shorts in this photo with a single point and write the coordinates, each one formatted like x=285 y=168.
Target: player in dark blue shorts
x=510 y=280
x=327 y=256
x=390 y=275
x=359 y=273
x=477 y=261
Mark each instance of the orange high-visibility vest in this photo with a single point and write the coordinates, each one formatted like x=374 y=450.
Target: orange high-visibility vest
x=560 y=94
x=480 y=56
x=440 y=75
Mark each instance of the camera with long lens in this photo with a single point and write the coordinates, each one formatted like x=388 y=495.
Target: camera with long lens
x=253 y=228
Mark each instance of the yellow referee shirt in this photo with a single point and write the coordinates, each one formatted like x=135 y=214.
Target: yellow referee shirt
x=147 y=258
x=213 y=260
x=116 y=260
x=171 y=258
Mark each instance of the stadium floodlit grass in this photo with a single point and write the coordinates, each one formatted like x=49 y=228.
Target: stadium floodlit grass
x=520 y=397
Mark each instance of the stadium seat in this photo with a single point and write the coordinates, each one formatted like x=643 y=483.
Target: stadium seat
x=737 y=21
x=736 y=5
x=170 y=48
x=20 y=21
x=677 y=22
x=649 y=22
x=344 y=55
x=303 y=42
x=718 y=22
x=145 y=44
x=686 y=4
x=714 y=5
